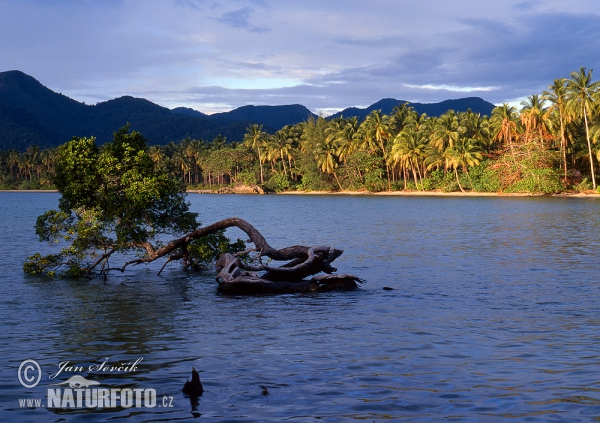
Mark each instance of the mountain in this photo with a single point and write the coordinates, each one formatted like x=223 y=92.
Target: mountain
x=276 y=116
x=32 y=114
x=386 y=106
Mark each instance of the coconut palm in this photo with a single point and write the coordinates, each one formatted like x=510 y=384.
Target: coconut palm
x=346 y=138
x=326 y=157
x=400 y=114
x=280 y=147
x=408 y=151
x=503 y=124
x=535 y=118
x=581 y=93
x=447 y=131
x=375 y=134
x=465 y=153
x=256 y=138
x=556 y=94
x=477 y=127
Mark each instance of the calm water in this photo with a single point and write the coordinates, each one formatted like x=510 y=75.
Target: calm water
x=495 y=316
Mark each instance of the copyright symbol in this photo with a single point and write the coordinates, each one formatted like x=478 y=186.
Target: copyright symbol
x=27 y=380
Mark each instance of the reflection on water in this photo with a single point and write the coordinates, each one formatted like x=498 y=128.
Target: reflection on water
x=494 y=316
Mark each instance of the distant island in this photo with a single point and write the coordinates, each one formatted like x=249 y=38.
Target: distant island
x=548 y=146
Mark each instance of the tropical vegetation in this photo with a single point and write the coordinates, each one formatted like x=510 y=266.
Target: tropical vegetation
x=550 y=144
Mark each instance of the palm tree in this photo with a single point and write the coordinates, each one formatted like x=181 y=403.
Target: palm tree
x=557 y=96
x=477 y=127
x=535 y=118
x=375 y=134
x=465 y=153
x=157 y=156
x=400 y=114
x=255 y=138
x=13 y=163
x=447 y=131
x=581 y=93
x=346 y=137
x=279 y=147
x=503 y=124
x=326 y=156
x=408 y=151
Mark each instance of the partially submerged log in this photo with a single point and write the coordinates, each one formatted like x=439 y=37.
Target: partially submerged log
x=237 y=276
x=233 y=279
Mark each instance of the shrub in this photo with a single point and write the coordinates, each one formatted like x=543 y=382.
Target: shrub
x=278 y=182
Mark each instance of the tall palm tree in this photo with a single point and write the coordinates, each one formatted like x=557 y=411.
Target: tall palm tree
x=503 y=124
x=408 y=151
x=556 y=94
x=346 y=137
x=13 y=162
x=581 y=93
x=465 y=153
x=400 y=114
x=375 y=134
x=326 y=157
x=535 y=118
x=447 y=131
x=279 y=147
x=157 y=156
x=477 y=127
x=255 y=138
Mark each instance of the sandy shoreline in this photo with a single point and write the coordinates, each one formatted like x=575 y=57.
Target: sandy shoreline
x=438 y=194
x=384 y=193
x=28 y=190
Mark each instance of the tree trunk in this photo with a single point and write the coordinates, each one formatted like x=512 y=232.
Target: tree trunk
x=587 y=136
x=238 y=277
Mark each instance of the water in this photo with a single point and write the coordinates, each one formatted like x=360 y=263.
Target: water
x=494 y=316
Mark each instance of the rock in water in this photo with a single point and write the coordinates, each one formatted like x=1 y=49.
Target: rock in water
x=193 y=388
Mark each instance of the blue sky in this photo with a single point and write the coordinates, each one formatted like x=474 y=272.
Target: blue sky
x=327 y=55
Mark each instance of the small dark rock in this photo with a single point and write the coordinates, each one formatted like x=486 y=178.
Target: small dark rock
x=387 y=288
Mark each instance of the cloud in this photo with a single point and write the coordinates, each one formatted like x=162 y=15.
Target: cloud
x=240 y=19
x=215 y=55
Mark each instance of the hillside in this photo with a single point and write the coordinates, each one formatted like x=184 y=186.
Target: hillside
x=386 y=106
x=32 y=114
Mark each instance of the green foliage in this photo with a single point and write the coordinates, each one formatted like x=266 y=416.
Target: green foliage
x=206 y=250
x=584 y=185
x=528 y=168
x=363 y=171
x=433 y=180
x=481 y=178
x=278 y=182
x=545 y=181
x=247 y=178
x=113 y=200
x=438 y=180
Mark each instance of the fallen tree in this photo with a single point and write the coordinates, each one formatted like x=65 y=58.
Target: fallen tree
x=237 y=276
x=114 y=202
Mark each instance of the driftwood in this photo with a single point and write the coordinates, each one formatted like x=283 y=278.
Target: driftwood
x=233 y=279
x=239 y=277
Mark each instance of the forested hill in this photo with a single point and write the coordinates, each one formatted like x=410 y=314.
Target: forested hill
x=386 y=106
x=32 y=114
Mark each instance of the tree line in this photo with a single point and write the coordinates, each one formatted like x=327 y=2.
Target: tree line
x=548 y=145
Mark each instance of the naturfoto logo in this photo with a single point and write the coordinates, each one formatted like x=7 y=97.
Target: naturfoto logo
x=78 y=392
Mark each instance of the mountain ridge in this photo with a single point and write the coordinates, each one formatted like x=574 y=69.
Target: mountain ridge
x=32 y=114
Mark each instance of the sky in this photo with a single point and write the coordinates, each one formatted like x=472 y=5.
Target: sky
x=214 y=56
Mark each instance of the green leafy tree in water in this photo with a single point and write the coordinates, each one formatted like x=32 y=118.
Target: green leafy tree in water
x=113 y=201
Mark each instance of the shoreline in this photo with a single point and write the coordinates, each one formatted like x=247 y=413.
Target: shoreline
x=381 y=194
x=440 y=194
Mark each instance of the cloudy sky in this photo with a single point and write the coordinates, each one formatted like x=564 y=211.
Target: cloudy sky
x=325 y=54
